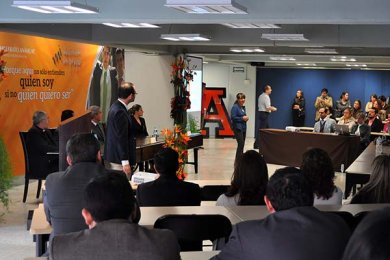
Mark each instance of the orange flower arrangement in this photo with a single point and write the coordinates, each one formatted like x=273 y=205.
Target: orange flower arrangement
x=2 y=66
x=177 y=140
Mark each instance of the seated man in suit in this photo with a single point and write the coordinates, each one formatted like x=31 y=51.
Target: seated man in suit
x=110 y=211
x=63 y=198
x=373 y=121
x=40 y=141
x=168 y=190
x=96 y=128
x=363 y=130
x=325 y=124
x=294 y=230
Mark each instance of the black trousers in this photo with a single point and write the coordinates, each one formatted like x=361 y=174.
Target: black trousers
x=240 y=138
x=263 y=123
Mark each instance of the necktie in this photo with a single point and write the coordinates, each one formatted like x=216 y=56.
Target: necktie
x=322 y=126
x=104 y=95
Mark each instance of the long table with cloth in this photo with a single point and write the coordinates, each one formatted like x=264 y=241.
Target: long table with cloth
x=286 y=148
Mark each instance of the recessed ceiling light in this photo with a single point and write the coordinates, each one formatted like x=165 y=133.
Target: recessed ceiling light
x=283 y=37
x=355 y=65
x=184 y=37
x=131 y=25
x=246 y=49
x=321 y=51
x=252 y=25
x=207 y=6
x=306 y=64
x=59 y=7
x=282 y=58
x=342 y=59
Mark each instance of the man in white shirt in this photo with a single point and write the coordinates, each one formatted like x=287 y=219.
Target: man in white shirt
x=264 y=110
x=325 y=124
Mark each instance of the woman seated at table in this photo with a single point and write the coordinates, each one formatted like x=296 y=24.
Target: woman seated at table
x=370 y=104
x=377 y=190
x=249 y=182
x=138 y=121
x=317 y=167
x=356 y=108
x=347 y=119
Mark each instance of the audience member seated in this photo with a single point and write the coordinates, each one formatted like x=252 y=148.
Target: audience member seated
x=138 y=121
x=168 y=190
x=373 y=121
x=386 y=125
x=377 y=190
x=317 y=167
x=63 y=198
x=249 y=181
x=40 y=142
x=66 y=114
x=384 y=108
x=325 y=124
x=371 y=239
x=294 y=230
x=96 y=128
x=357 y=108
x=363 y=130
x=347 y=119
x=370 y=104
x=110 y=212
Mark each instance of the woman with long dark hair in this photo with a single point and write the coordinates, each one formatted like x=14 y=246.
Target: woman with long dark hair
x=138 y=121
x=239 y=118
x=249 y=182
x=356 y=108
x=342 y=104
x=317 y=167
x=298 y=109
x=377 y=190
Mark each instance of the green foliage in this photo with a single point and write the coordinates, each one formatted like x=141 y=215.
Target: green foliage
x=193 y=124
x=5 y=174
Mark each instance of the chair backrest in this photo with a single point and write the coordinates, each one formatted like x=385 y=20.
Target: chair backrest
x=23 y=138
x=359 y=217
x=212 y=192
x=347 y=217
x=191 y=230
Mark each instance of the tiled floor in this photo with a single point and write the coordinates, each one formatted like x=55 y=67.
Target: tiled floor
x=215 y=162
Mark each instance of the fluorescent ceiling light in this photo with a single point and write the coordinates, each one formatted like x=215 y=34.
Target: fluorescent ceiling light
x=184 y=37
x=355 y=65
x=282 y=58
x=246 y=49
x=207 y=6
x=131 y=25
x=283 y=37
x=306 y=64
x=342 y=59
x=252 y=25
x=57 y=7
x=321 y=51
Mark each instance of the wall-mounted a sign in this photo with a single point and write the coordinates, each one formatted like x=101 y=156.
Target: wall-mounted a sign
x=239 y=69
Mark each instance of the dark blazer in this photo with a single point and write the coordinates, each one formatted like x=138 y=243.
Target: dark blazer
x=116 y=239
x=365 y=132
x=168 y=191
x=98 y=131
x=236 y=115
x=120 y=140
x=39 y=142
x=376 y=126
x=140 y=129
x=302 y=233
x=94 y=89
x=63 y=198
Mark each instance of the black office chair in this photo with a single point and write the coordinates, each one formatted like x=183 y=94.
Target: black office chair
x=36 y=168
x=191 y=230
x=347 y=217
x=359 y=217
x=212 y=192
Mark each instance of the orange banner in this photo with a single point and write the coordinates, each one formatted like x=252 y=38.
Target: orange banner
x=42 y=74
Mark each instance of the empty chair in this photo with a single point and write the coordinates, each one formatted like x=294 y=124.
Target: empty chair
x=191 y=230
x=212 y=192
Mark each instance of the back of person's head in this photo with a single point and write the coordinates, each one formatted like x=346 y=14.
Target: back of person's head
x=166 y=161
x=38 y=116
x=249 y=180
x=266 y=87
x=317 y=167
x=66 y=114
x=82 y=148
x=371 y=239
x=379 y=184
x=109 y=196
x=95 y=110
x=125 y=90
x=288 y=189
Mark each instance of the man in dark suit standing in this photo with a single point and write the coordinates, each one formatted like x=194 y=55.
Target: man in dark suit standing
x=294 y=230
x=168 y=190
x=111 y=213
x=40 y=142
x=104 y=84
x=96 y=128
x=63 y=198
x=119 y=151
